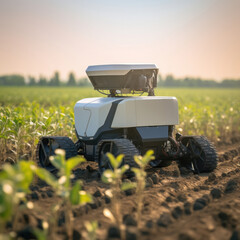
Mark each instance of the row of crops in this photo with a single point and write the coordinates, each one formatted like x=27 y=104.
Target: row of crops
x=26 y=114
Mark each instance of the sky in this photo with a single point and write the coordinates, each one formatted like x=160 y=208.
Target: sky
x=197 y=38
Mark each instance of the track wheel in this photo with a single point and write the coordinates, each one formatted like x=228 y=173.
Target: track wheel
x=116 y=147
x=46 y=147
x=201 y=154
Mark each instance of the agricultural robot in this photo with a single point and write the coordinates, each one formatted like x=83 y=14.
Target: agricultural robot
x=129 y=124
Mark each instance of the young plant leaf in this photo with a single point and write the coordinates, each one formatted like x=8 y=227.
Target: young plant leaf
x=124 y=168
x=108 y=176
x=127 y=186
x=85 y=197
x=47 y=177
x=107 y=213
x=112 y=160
x=74 y=194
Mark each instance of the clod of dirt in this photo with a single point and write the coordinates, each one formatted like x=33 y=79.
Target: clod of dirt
x=131 y=235
x=34 y=196
x=186 y=236
x=164 y=220
x=43 y=195
x=234 y=152
x=212 y=177
x=128 y=220
x=26 y=233
x=90 y=169
x=95 y=175
x=174 y=185
x=226 y=156
x=129 y=192
x=76 y=235
x=206 y=197
x=29 y=219
x=87 y=208
x=187 y=208
x=107 y=199
x=196 y=189
x=216 y=193
x=149 y=224
x=164 y=204
x=149 y=182
x=204 y=187
x=177 y=212
x=34 y=188
x=224 y=174
x=155 y=178
x=235 y=235
x=199 y=204
x=169 y=199
x=231 y=186
x=181 y=197
x=184 y=171
x=49 y=193
x=98 y=193
x=176 y=173
x=94 y=204
x=145 y=232
x=113 y=232
x=197 y=177
x=227 y=220
x=61 y=219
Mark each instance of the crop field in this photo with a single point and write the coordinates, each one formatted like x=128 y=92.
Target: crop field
x=28 y=113
x=173 y=204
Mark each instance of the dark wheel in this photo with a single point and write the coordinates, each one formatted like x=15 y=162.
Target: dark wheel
x=170 y=150
x=116 y=147
x=201 y=156
x=46 y=147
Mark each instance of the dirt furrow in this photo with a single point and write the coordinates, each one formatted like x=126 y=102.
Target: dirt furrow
x=177 y=204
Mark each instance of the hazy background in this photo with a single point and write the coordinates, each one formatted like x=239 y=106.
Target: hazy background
x=199 y=38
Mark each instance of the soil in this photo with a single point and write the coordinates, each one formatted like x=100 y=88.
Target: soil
x=177 y=203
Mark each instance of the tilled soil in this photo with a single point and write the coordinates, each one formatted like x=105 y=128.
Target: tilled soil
x=177 y=203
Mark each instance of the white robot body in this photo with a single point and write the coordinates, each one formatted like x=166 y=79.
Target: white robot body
x=92 y=113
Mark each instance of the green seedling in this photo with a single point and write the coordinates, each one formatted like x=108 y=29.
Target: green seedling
x=141 y=180
x=91 y=230
x=70 y=195
x=14 y=185
x=114 y=178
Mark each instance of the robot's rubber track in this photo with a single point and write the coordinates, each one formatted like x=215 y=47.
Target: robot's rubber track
x=125 y=147
x=211 y=157
x=64 y=143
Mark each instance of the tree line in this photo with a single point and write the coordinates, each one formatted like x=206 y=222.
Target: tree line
x=55 y=80
x=168 y=81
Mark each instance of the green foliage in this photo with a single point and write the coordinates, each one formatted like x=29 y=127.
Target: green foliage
x=140 y=174
x=62 y=186
x=14 y=185
x=114 y=178
x=91 y=230
x=70 y=195
x=15 y=181
x=29 y=113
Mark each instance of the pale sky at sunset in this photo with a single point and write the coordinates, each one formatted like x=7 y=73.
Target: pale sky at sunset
x=198 y=38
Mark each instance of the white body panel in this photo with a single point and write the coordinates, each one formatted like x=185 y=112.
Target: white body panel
x=91 y=113
x=146 y=111
x=116 y=69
